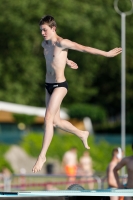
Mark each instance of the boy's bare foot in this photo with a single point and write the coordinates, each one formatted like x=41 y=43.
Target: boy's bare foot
x=39 y=163
x=84 y=138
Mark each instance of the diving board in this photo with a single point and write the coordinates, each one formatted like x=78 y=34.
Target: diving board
x=70 y=193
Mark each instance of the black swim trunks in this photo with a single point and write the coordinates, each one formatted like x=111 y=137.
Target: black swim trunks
x=51 y=86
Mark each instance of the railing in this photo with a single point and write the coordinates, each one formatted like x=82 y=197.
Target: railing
x=19 y=182
x=46 y=182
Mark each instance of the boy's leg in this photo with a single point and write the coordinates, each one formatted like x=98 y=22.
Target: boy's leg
x=52 y=107
x=47 y=98
x=67 y=126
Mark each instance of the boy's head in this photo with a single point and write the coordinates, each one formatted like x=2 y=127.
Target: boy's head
x=117 y=153
x=49 y=20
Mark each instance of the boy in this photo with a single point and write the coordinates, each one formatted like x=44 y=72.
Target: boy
x=116 y=157
x=55 y=52
x=128 y=163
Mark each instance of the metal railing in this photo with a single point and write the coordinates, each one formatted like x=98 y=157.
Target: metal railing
x=19 y=182
x=46 y=182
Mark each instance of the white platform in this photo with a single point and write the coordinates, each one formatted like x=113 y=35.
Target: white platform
x=107 y=192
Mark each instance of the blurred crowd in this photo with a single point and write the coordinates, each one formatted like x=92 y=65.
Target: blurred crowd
x=73 y=168
x=81 y=169
x=84 y=168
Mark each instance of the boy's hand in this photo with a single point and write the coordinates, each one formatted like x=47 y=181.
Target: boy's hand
x=114 y=52
x=72 y=64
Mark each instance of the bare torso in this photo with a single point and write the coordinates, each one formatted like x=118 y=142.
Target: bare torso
x=110 y=175
x=129 y=166
x=86 y=164
x=55 y=61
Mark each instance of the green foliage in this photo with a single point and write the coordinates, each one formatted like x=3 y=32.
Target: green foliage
x=20 y=71
x=22 y=118
x=3 y=148
x=3 y=162
x=97 y=80
x=32 y=143
x=100 y=152
x=79 y=111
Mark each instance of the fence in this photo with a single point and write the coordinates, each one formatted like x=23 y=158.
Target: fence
x=18 y=182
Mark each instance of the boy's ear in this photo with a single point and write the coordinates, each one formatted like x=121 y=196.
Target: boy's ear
x=54 y=28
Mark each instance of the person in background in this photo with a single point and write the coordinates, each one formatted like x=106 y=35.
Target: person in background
x=86 y=170
x=116 y=157
x=6 y=172
x=6 y=179
x=128 y=163
x=70 y=163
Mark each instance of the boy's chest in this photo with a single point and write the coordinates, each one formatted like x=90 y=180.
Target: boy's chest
x=130 y=165
x=51 y=52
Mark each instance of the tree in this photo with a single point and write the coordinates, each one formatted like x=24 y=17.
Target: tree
x=21 y=75
x=22 y=66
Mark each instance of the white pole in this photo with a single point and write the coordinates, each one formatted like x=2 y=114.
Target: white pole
x=123 y=71
x=123 y=83
x=123 y=87
x=123 y=74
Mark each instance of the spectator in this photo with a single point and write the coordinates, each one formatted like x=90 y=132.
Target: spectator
x=6 y=173
x=70 y=163
x=116 y=157
x=128 y=163
x=85 y=163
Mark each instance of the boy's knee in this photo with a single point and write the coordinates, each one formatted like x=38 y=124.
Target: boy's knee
x=48 y=118
x=56 y=123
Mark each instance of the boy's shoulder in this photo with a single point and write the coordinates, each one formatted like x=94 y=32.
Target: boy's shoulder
x=43 y=43
x=127 y=159
x=61 y=42
x=64 y=43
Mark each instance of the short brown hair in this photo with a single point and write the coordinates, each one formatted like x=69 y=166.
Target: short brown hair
x=49 y=20
x=115 y=151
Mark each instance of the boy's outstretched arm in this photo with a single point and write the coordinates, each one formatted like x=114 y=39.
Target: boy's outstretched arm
x=67 y=44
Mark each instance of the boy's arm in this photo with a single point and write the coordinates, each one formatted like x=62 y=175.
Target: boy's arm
x=67 y=44
x=71 y=64
x=121 y=164
x=110 y=176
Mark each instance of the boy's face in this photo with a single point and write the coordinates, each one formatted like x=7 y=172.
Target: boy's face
x=47 y=32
